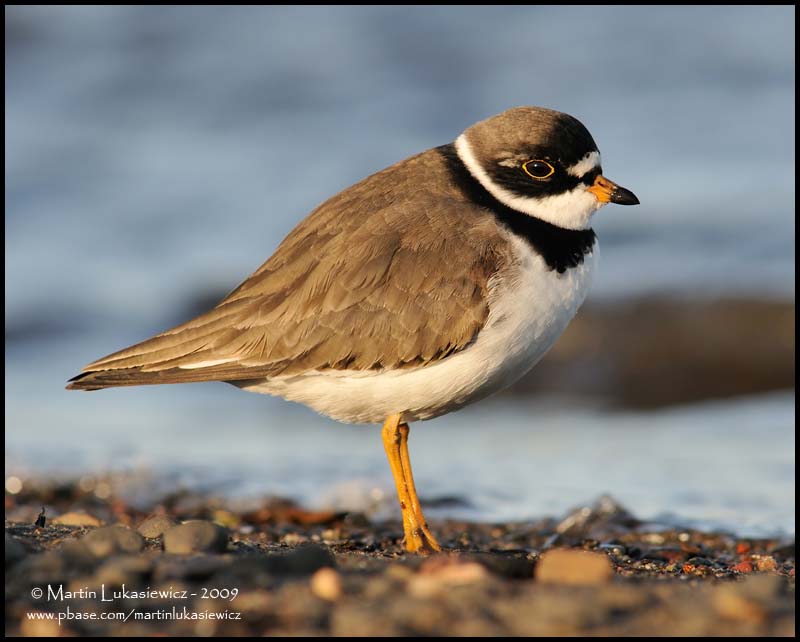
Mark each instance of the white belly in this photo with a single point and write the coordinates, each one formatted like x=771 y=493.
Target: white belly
x=529 y=307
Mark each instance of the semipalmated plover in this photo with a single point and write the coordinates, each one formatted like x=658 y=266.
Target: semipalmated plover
x=416 y=291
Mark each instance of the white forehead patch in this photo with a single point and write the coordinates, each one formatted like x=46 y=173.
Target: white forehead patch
x=571 y=210
x=510 y=162
x=585 y=164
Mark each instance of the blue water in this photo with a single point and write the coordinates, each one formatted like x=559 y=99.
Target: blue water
x=156 y=155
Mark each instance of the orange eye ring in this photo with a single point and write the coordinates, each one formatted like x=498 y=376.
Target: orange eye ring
x=540 y=176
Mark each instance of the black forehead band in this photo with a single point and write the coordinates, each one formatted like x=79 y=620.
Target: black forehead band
x=569 y=141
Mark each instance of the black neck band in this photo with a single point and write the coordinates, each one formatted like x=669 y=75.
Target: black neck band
x=560 y=248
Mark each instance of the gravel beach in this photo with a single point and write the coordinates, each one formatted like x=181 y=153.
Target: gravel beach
x=195 y=565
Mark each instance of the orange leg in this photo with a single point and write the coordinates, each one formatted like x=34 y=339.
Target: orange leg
x=395 y=440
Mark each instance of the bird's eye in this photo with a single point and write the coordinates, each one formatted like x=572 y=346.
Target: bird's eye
x=538 y=169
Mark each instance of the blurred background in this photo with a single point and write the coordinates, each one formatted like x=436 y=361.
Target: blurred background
x=156 y=156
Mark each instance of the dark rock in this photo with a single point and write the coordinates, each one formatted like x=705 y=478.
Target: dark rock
x=665 y=554
x=604 y=515
x=653 y=352
x=14 y=551
x=303 y=560
x=515 y=565
x=196 y=536
x=614 y=548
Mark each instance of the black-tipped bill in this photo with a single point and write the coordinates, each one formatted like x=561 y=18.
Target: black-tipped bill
x=607 y=191
x=622 y=196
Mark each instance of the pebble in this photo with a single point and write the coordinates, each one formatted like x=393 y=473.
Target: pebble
x=578 y=568
x=745 y=566
x=293 y=539
x=439 y=575
x=196 y=536
x=156 y=525
x=665 y=554
x=108 y=540
x=326 y=584
x=613 y=548
x=76 y=518
x=765 y=563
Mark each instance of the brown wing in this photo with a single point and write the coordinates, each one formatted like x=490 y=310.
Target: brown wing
x=379 y=276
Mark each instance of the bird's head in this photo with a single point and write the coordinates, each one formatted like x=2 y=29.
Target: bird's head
x=542 y=163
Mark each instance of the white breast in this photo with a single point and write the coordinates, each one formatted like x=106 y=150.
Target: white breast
x=529 y=307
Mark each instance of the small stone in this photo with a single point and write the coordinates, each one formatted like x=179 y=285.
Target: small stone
x=326 y=584
x=699 y=566
x=613 y=548
x=196 y=536
x=76 y=518
x=156 y=525
x=665 y=554
x=765 y=563
x=226 y=518
x=744 y=566
x=108 y=540
x=331 y=535
x=293 y=539
x=441 y=574
x=566 y=566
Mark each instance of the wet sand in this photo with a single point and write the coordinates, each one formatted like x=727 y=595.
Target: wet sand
x=194 y=565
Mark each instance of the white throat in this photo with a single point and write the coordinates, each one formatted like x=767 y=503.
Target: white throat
x=571 y=210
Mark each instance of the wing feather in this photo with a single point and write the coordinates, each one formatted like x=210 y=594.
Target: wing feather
x=403 y=282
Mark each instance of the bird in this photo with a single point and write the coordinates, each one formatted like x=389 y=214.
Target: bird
x=424 y=287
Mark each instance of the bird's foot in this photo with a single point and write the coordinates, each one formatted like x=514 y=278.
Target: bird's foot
x=421 y=540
